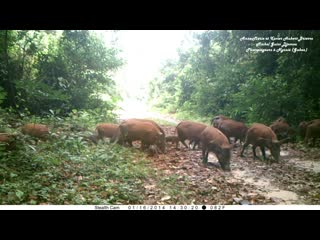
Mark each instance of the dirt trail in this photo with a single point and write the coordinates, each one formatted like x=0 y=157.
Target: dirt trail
x=136 y=109
x=292 y=181
x=295 y=180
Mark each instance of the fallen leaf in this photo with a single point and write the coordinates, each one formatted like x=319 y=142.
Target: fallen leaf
x=148 y=187
x=244 y=202
x=237 y=200
x=165 y=198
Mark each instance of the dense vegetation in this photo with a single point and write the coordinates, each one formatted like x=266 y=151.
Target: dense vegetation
x=218 y=76
x=66 y=169
x=57 y=78
x=55 y=70
x=63 y=79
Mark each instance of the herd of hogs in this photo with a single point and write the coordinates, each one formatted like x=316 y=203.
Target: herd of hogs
x=214 y=138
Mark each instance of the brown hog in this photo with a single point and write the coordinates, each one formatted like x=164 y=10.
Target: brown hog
x=303 y=126
x=217 y=119
x=8 y=140
x=149 y=121
x=106 y=130
x=310 y=130
x=282 y=129
x=232 y=128
x=146 y=132
x=302 y=129
x=262 y=136
x=212 y=139
x=191 y=131
x=153 y=123
x=281 y=119
x=36 y=130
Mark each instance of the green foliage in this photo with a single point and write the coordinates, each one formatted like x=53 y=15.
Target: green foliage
x=89 y=118
x=66 y=169
x=180 y=193
x=58 y=70
x=218 y=76
x=2 y=95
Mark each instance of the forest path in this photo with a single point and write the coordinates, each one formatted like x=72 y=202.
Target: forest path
x=137 y=109
x=295 y=180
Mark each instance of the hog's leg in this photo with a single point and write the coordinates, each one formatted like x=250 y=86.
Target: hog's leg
x=184 y=143
x=205 y=154
x=243 y=148
x=263 y=150
x=254 y=152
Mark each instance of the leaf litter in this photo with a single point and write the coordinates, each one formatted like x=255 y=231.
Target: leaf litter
x=182 y=178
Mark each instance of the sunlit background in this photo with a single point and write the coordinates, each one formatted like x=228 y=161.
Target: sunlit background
x=145 y=52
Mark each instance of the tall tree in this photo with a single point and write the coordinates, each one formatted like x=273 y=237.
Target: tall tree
x=220 y=75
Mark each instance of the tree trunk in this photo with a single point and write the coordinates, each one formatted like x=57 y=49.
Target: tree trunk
x=8 y=84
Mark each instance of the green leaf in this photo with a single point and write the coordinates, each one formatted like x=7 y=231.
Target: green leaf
x=19 y=194
x=32 y=147
x=33 y=202
x=12 y=175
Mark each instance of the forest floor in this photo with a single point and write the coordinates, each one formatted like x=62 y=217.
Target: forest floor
x=295 y=180
x=69 y=169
